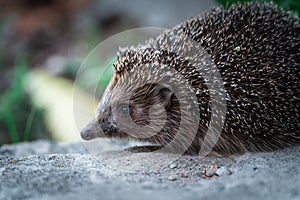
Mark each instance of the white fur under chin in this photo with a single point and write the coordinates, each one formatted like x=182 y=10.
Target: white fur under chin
x=130 y=143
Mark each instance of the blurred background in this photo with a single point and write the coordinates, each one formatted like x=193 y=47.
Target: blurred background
x=43 y=43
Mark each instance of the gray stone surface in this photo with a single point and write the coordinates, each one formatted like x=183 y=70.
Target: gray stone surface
x=49 y=170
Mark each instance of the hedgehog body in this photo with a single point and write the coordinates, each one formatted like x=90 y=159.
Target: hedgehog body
x=256 y=49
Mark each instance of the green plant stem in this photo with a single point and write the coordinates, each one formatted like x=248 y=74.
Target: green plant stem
x=29 y=124
x=11 y=126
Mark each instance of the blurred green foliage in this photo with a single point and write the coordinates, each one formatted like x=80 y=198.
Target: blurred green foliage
x=288 y=5
x=108 y=72
x=20 y=119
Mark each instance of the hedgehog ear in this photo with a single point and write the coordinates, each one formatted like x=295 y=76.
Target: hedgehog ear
x=166 y=94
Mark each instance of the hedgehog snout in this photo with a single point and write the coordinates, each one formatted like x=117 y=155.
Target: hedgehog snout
x=87 y=133
x=92 y=131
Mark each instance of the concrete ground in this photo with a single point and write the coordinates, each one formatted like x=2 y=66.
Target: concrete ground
x=49 y=170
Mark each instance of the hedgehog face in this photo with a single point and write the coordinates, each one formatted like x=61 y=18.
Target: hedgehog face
x=140 y=102
x=138 y=114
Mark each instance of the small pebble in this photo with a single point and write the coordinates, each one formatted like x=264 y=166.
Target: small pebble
x=1 y=171
x=172 y=178
x=173 y=166
x=157 y=166
x=184 y=175
x=210 y=172
x=222 y=171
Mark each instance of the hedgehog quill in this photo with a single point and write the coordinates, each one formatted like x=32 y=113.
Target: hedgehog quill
x=255 y=49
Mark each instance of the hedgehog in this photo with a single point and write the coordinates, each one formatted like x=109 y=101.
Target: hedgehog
x=238 y=65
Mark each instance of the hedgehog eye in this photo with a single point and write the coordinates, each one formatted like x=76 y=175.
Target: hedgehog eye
x=124 y=109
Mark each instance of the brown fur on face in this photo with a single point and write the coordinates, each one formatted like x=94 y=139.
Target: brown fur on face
x=147 y=104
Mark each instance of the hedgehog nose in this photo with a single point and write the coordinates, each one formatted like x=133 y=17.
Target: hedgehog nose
x=86 y=133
